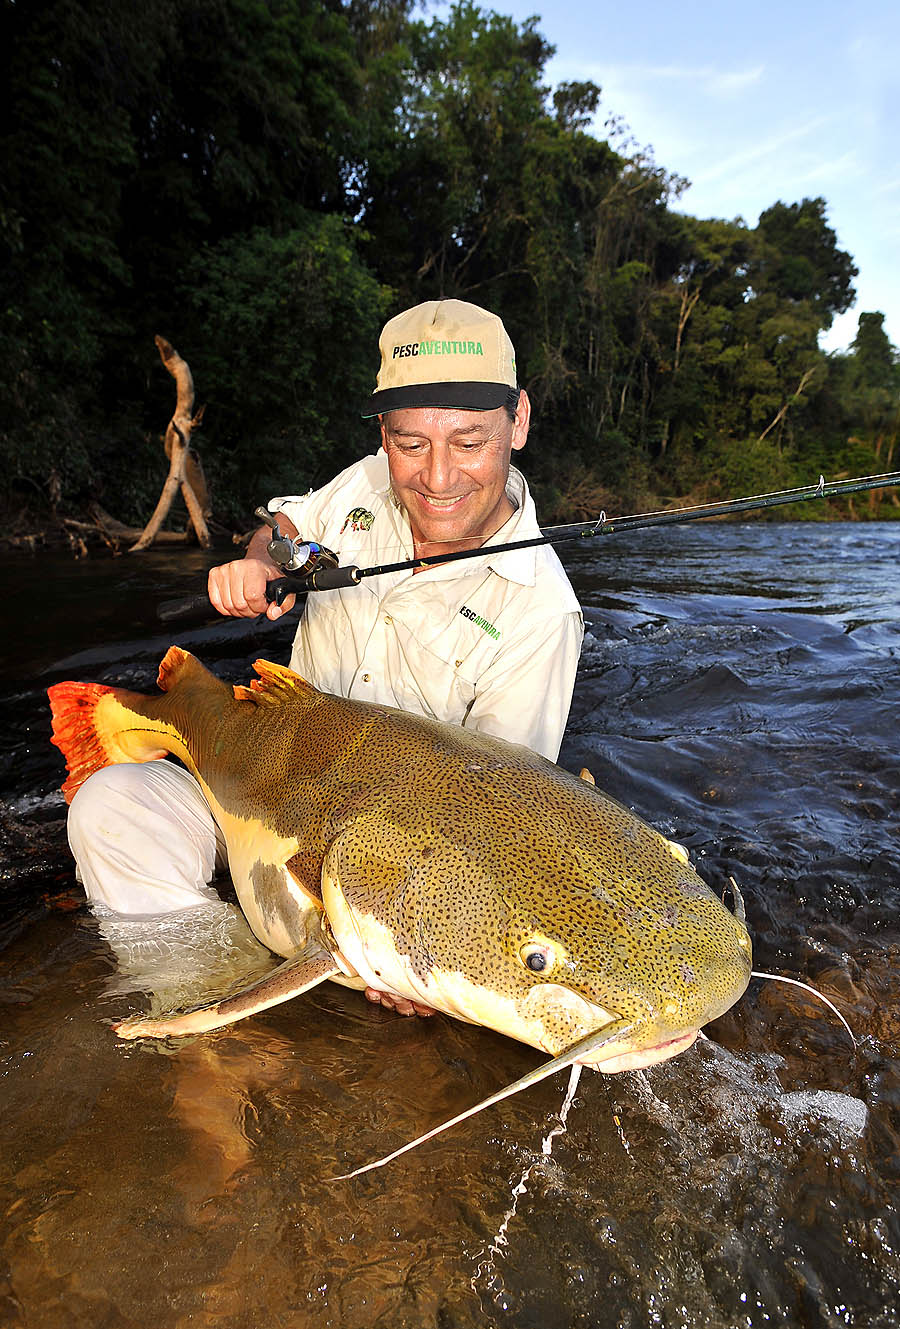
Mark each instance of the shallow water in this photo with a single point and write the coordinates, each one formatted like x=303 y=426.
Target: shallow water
x=740 y=688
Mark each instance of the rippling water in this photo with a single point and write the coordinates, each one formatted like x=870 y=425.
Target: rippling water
x=740 y=688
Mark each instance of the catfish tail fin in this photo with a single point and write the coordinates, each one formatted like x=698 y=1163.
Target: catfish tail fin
x=93 y=727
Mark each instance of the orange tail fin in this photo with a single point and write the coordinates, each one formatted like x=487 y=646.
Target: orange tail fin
x=94 y=726
x=72 y=706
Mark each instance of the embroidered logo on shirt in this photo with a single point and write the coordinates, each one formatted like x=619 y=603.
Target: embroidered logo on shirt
x=480 y=622
x=358 y=519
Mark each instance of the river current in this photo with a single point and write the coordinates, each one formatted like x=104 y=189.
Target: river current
x=740 y=689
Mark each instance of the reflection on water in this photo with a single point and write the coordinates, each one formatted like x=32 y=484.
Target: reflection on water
x=739 y=687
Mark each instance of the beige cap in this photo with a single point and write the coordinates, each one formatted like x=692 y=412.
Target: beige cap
x=444 y=353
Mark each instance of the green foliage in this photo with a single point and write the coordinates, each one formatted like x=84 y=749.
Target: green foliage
x=264 y=181
x=749 y=466
x=800 y=260
x=875 y=363
x=285 y=355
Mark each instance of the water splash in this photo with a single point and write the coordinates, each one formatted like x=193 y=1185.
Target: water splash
x=488 y=1271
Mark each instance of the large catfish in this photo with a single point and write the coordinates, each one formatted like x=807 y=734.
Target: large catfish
x=388 y=850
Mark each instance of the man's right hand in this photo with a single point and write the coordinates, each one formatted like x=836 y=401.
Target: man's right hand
x=238 y=589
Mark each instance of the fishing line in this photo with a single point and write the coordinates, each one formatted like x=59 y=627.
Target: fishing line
x=324 y=573
x=334 y=578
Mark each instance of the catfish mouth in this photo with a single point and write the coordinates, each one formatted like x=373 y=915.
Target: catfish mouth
x=638 y=1058
x=566 y=1017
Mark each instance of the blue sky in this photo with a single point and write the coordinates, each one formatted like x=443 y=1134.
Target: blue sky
x=755 y=103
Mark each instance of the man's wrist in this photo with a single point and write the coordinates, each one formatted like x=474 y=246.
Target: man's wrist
x=258 y=548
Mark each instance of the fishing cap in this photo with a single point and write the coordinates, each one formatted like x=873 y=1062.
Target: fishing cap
x=444 y=353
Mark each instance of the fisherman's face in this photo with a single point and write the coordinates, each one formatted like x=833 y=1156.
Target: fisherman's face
x=449 y=470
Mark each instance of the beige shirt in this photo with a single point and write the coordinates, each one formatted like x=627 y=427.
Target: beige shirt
x=491 y=643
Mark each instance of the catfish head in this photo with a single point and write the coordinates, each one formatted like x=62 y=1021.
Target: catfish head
x=558 y=922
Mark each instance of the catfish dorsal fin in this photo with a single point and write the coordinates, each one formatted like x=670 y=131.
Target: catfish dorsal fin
x=179 y=666
x=242 y=693
x=277 y=683
x=171 y=667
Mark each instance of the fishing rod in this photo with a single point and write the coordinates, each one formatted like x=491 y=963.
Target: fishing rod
x=311 y=567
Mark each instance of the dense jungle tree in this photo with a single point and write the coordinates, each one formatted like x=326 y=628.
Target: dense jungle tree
x=263 y=181
x=872 y=392
x=133 y=136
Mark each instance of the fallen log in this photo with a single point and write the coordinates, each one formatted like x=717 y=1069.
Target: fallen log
x=115 y=533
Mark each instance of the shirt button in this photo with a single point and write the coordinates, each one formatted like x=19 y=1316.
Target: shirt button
x=388 y=619
x=366 y=678
x=458 y=663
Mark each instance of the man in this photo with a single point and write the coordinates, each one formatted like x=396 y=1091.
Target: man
x=491 y=643
x=488 y=643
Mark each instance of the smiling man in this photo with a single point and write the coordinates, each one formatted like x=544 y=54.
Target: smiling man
x=491 y=643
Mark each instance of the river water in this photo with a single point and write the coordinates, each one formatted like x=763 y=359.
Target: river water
x=740 y=688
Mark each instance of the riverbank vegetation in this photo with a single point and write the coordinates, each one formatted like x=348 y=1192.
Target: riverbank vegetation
x=264 y=183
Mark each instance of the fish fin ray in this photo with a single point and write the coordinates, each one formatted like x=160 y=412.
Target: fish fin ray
x=172 y=666
x=72 y=707
x=309 y=967
x=276 y=682
x=89 y=731
x=178 y=668
x=242 y=693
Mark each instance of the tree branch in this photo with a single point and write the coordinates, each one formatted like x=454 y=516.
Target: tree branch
x=177 y=443
x=788 y=404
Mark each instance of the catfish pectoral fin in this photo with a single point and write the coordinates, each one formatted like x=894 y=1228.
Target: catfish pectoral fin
x=303 y=971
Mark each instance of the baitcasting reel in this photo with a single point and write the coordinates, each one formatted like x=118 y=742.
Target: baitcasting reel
x=297 y=557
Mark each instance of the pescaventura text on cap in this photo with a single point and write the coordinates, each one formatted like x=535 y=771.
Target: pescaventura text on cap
x=444 y=353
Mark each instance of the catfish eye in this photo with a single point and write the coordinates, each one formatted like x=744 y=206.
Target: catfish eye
x=538 y=957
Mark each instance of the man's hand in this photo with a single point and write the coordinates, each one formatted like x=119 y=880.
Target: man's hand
x=402 y=1005
x=238 y=589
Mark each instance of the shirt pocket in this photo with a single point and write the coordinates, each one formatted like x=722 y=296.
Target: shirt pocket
x=425 y=682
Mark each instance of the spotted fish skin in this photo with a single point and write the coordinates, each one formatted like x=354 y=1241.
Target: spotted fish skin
x=452 y=867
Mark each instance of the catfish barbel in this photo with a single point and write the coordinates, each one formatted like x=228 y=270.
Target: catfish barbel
x=382 y=849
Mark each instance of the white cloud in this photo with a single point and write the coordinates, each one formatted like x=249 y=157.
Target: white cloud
x=753 y=102
x=769 y=147
x=727 y=85
x=841 y=168
x=721 y=83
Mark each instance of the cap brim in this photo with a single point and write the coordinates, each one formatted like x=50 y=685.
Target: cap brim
x=446 y=396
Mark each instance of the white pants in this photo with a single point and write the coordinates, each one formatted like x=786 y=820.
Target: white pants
x=144 y=839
